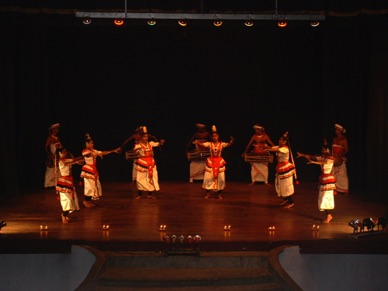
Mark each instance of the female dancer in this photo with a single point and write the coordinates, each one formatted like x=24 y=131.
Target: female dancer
x=65 y=184
x=285 y=171
x=147 y=178
x=214 y=178
x=89 y=172
x=326 y=180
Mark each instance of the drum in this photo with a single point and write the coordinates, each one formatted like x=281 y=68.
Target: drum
x=131 y=155
x=198 y=155
x=256 y=158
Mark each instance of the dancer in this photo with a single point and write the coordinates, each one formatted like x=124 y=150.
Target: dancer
x=340 y=149
x=132 y=155
x=285 y=171
x=52 y=143
x=257 y=144
x=326 y=180
x=147 y=179
x=65 y=184
x=198 y=155
x=214 y=178
x=89 y=172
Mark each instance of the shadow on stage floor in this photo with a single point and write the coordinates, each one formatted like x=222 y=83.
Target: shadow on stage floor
x=135 y=224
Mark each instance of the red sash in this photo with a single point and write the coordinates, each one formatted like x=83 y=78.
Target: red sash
x=65 y=184
x=215 y=164
x=147 y=162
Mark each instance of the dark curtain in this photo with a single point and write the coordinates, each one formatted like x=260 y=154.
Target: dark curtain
x=107 y=81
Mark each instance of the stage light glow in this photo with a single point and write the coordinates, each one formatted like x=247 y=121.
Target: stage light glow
x=182 y=22
x=314 y=23
x=248 y=23
x=87 y=21
x=118 y=22
x=217 y=23
x=282 y=24
x=151 y=22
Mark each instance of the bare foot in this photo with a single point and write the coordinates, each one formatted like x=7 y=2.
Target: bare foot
x=253 y=183
x=267 y=184
x=329 y=217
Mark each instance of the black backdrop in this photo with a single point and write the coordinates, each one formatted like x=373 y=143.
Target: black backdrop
x=107 y=80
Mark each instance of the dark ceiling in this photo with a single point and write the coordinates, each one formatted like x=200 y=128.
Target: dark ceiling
x=333 y=8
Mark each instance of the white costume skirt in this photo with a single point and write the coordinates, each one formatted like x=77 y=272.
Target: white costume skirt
x=92 y=188
x=259 y=172
x=69 y=201
x=143 y=181
x=197 y=169
x=326 y=200
x=284 y=187
x=212 y=184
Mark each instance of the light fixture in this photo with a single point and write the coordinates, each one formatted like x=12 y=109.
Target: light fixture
x=87 y=21
x=282 y=23
x=151 y=22
x=383 y=221
x=248 y=23
x=217 y=23
x=368 y=223
x=356 y=224
x=314 y=23
x=118 y=22
x=2 y=224
x=182 y=22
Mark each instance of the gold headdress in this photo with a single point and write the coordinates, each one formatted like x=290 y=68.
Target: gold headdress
x=214 y=128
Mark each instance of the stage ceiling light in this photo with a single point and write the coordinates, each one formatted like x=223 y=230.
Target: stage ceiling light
x=217 y=23
x=216 y=18
x=87 y=21
x=314 y=23
x=182 y=22
x=151 y=22
x=248 y=23
x=118 y=22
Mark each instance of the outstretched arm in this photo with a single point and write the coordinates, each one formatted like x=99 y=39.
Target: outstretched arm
x=231 y=141
x=77 y=160
x=127 y=141
x=116 y=151
x=311 y=158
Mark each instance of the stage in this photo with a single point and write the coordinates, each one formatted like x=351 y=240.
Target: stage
x=257 y=221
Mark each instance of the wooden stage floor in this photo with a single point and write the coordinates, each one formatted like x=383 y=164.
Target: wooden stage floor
x=134 y=224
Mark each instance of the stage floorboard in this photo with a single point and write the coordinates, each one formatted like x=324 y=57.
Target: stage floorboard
x=134 y=224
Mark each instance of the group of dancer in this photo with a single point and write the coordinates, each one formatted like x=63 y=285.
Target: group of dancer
x=210 y=167
x=207 y=165
x=59 y=169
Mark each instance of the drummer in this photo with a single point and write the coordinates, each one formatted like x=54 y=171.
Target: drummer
x=198 y=164
x=256 y=145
